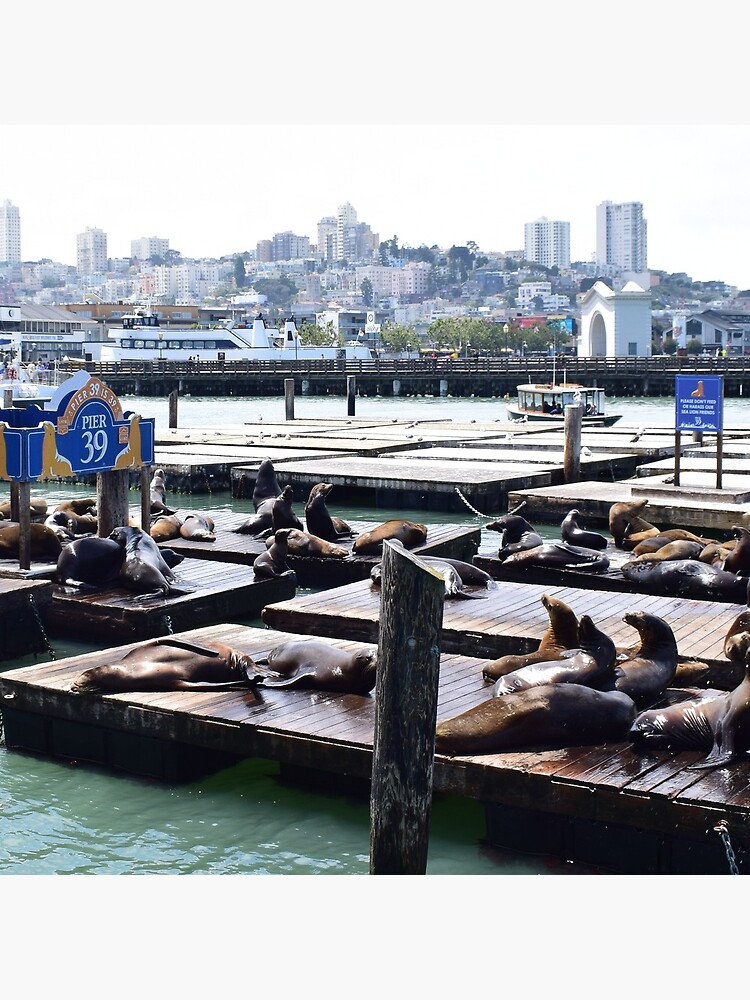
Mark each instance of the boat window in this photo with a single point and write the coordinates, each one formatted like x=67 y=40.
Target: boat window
x=126 y=342
x=151 y=345
x=210 y=345
x=138 y=344
x=174 y=344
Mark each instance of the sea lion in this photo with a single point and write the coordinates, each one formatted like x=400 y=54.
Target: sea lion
x=282 y=515
x=260 y=522
x=561 y=634
x=591 y=663
x=143 y=567
x=553 y=716
x=560 y=555
x=681 y=548
x=457 y=576
x=737 y=639
x=517 y=534
x=310 y=663
x=303 y=543
x=409 y=533
x=171 y=664
x=89 y=561
x=60 y=523
x=273 y=562
x=645 y=672
x=198 y=528
x=687 y=578
x=266 y=485
x=318 y=519
x=38 y=508
x=738 y=560
x=43 y=541
x=54 y=465
x=716 y=552
x=645 y=541
x=131 y=457
x=78 y=505
x=165 y=527
x=158 y=494
x=573 y=533
x=624 y=514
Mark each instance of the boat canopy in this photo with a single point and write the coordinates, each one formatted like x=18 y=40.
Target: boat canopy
x=548 y=398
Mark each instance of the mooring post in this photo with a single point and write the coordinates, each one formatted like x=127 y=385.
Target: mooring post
x=289 y=398
x=173 y=396
x=24 y=525
x=7 y=398
x=572 y=446
x=351 y=388
x=14 y=502
x=411 y=619
x=146 y=497
x=113 y=509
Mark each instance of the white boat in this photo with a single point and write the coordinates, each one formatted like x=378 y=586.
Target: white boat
x=26 y=386
x=142 y=338
x=547 y=402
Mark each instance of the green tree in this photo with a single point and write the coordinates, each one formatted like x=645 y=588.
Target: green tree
x=694 y=346
x=367 y=292
x=239 y=272
x=669 y=345
x=318 y=335
x=278 y=291
x=395 y=337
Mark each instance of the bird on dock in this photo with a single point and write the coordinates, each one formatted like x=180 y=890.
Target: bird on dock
x=586 y=452
x=638 y=435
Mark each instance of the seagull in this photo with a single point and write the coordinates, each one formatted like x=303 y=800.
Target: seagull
x=638 y=434
x=586 y=452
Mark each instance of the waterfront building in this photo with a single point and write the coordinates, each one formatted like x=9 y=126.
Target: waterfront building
x=621 y=236
x=10 y=233
x=547 y=242
x=720 y=330
x=615 y=324
x=91 y=251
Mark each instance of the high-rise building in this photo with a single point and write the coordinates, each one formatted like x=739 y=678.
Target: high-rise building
x=346 y=222
x=621 y=236
x=149 y=246
x=91 y=251
x=547 y=243
x=327 y=237
x=10 y=233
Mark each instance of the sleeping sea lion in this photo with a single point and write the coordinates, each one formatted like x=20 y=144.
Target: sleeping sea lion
x=318 y=519
x=43 y=541
x=517 y=534
x=737 y=639
x=165 y=527
x=311 y=663
x=573 y=533
x=303 y=543
x=553 y=716
x=457 y=576
x=645 y=672
x=171 y=664
x=60 y=523
x=681 y=548
x=198 y=527
x=409 y=533
x=89 y=561
x=266 y=485
x=38 y=508
x=272 y=562
x=561 y=634
x=591 y=663
x=687 y=578
x=78 y=505
x=560 y=555
x=643 y=541
x=738 y=560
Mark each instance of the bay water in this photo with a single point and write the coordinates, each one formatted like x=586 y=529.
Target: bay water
x=63 y=817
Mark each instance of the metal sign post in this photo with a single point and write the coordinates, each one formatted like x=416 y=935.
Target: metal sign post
x=699 y=406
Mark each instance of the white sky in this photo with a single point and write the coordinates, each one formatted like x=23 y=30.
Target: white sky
x=216 y=127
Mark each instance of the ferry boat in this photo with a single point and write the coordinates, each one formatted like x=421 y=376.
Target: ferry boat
x=547 y=402
x=142 y=338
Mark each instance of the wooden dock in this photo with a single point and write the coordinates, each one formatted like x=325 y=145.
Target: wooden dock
x=24 y=616
x=606 y=805
x=221 y=592
x=512 y=619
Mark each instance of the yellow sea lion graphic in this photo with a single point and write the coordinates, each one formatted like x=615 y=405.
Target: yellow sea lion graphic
x=3 y=453
x=130 y=456
x=53 y=463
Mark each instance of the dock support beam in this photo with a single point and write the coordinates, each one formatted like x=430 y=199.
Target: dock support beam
x=396 y=387
x=411 y=620
x=351 y=390
x=572 y=446
x=173 y=408
x=443 y=386
x=113 y=509
x=289 y=398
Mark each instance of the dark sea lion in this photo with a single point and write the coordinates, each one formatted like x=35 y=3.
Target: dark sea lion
x=260 y=522
x=687 y=578
x=319 y=520
x=552 y=717
x=266 y=485
x=198 y=527
x=517 y=534
x=303 y=543
x=89 y=561
x=273 y=562
x=646 y=671
x=572 y=532
x=738 y=560
x=681 y=548
x=561 y=634
x=560 y=555
x=143 y=567
x=591 y=663
x=59 y=522
x=158 y=493
x=165 y=527
x=409 y=533
x=737 y=639
x=171 y=664
x=43 y=541
x=686 y=725
x=624 y=514
x=310 y=663
x=282 y=515
x=457 y=576
x=731 y=727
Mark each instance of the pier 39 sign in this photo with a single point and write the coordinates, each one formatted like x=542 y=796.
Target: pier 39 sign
x=699 y=402
x=83 y=431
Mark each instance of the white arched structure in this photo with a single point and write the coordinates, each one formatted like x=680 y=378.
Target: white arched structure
x=615 y=324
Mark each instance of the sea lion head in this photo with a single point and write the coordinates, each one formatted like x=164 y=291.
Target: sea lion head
x=98 y=680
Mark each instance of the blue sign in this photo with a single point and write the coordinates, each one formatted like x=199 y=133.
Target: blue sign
x=699 y=402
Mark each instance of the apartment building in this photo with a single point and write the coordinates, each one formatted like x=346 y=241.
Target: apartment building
x=10 y=233
x=621 y=236
x=547 y=242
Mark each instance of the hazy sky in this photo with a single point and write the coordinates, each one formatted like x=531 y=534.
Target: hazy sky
x=438 y=128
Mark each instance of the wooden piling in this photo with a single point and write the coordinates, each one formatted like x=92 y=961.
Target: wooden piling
x=173 y=397
x=146 y=497
x=7 y=398
x=572 y=446
x=112 y=506
x=24 y=522
x=289 y=398
x=351 y=388
x=411 y=619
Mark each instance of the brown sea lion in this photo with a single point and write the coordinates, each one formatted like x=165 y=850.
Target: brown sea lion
x=158 y=492
x=561 y=634
x=560 y=555
x=165 y=527
x=646 y=671
x=517 y=534
x=259 y=522
x=716 y=552
x=89 y=561
x=311 y=663
x=198 y=527
x=591 y=663
x=738 y=560
x=266 y=484
x=652 y=543
x=737 y=639
x=572 y=532
x=273 y=562
x=171 y=664
x=282 y=515
x=553 y=716
x=78 y=505
x=60 y=523
x=144 y=568
x=38 y=509
x=624 y=514
x=44 y=541
x=318 y=519
x=303 y=543
x=409 y=533
x=682 y=548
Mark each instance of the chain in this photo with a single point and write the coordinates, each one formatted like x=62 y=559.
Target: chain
x=167 y=619
x=39 y=622
x=721 y=829
x=472 y=509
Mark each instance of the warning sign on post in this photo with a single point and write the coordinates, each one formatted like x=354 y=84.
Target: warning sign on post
x=699 y=402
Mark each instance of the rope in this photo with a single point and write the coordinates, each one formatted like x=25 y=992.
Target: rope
x=721 y=829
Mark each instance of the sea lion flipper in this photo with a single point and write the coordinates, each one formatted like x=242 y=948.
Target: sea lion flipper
x=192 y=647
